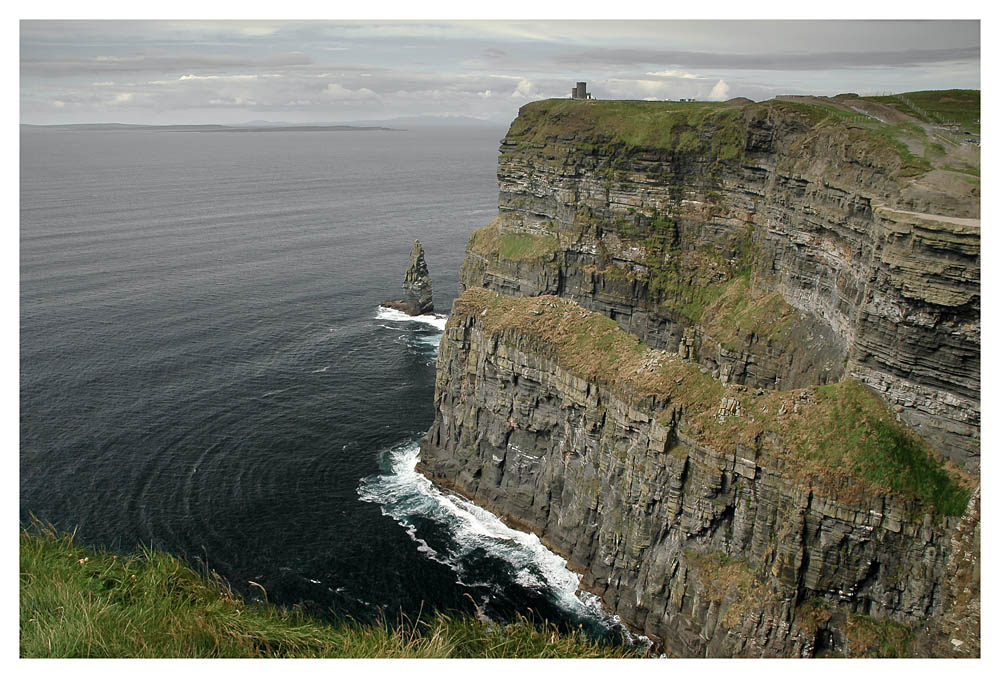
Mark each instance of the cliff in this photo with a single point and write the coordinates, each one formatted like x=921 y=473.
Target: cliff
x=725 y=359
x=773 y=243
x=91 y=602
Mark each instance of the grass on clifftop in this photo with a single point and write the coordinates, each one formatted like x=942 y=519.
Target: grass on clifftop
x=960 y=106
x=840 y=439
x=708 y=128
x=79 y=602
x=844 y=432
x=717 y=132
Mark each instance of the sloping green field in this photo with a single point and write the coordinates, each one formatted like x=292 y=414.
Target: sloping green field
x=79 y=602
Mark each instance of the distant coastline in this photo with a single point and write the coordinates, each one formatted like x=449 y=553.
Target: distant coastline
x=103 y=127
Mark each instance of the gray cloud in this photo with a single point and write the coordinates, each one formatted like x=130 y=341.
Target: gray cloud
x=165 y=71
x=764 y=61
x=155 y=61
x=350 y=90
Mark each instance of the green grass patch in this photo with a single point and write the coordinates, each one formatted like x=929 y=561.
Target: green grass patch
x=523 y=246
x=869 y=637
x=881 y=449
x=658 y=231
x=80 y=602
x=894 y=135
x=590 y=345
x=684 y=286
x=933 y=151
x=703 y=128
x=490 y=241
x=961 y=106
x=843 y=441
x=844 y=438
x=689 y=282
x=971 y=171
x=738 y=313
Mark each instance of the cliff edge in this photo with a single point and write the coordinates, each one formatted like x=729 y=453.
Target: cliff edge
x=725 y=359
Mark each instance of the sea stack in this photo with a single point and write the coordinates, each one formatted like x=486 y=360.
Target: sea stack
x=416 y=284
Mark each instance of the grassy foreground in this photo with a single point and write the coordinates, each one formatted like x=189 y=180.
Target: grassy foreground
x=80 y=602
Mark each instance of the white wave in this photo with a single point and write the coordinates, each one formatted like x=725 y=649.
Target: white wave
x=404 y=493
x=434 y=340
x=433 y=319
x=320 y=370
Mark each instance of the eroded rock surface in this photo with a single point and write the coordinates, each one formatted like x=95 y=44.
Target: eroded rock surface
x=416 y=285
x=720 y=486
x=720 y=549
x=844 y=274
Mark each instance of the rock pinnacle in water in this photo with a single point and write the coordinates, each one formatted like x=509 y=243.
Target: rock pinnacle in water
x=416 y=284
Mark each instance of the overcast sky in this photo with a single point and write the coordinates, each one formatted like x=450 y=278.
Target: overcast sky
x=234 y=72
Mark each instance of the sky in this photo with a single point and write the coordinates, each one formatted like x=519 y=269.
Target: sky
x=235 y=72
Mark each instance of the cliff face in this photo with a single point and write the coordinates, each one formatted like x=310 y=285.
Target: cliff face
x=762 y=335
x=707 y=516
x=777 y=251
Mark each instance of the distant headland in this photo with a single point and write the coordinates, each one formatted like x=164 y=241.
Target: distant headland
x=103 y=127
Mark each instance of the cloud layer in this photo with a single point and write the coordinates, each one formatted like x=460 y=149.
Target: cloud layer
x=151 y=71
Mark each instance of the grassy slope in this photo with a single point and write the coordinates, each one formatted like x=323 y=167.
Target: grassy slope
x=712 y=128
x=489 y=241
x=960 y=106
x=78 y=602
x=717 y=131
x=839 y=439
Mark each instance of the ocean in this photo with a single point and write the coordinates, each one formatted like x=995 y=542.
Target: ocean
x=205 y=368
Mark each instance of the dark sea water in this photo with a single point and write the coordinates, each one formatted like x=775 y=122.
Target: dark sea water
x=205 y=368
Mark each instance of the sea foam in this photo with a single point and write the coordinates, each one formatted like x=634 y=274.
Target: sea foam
x=408 y=497
x=433 y=319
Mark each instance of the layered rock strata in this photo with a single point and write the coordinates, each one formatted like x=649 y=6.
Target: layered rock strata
x=818 y=221
x=689 y=506
x=416 y=284
x=762 y=474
